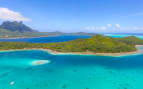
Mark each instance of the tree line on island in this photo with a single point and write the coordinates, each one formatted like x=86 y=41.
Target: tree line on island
x=96 y=44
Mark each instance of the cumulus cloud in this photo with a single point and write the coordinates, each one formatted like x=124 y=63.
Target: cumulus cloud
x=117 y=25
x=96 y=28
x=117 y=28
x=7 y=14
x=133 y=28
x=109 y=25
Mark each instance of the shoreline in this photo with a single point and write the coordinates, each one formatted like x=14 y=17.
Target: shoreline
x=21 y=37
x=139 y=51
x=29 y=37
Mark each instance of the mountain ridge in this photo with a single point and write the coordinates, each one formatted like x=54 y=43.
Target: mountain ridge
x=16 y=27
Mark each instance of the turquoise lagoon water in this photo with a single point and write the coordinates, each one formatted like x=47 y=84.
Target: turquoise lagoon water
x=69 y=71
x=123 y=35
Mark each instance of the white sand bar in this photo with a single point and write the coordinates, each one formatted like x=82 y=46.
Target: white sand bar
x=40 y=62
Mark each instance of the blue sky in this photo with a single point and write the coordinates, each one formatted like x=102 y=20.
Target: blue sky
x=76 y=15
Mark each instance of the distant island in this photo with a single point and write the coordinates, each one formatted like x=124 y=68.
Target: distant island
x=15 y=29
x=95 y=44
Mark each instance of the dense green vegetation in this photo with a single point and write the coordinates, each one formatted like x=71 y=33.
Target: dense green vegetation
x=97 y=44
x=131 y=40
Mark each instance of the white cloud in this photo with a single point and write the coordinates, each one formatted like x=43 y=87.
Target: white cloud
x=132 y=28
x=117 y=28
x=117 y=25
x=89 y=28
x=96 y=28
x=109 y=25
x=6 y=14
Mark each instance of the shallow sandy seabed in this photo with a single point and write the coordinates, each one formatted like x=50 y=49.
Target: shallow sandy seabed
x=40 y=62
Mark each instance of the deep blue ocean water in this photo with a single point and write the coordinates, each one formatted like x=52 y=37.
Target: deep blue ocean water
x=51 y=39
x=69 y=71
x=44 y=39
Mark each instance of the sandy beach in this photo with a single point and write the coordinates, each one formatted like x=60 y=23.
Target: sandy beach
x=139 y=51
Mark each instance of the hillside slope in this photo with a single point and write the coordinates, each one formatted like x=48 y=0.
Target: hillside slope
x=16 y=29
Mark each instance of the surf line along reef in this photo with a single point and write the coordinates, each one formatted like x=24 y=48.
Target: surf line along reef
x=98 y=44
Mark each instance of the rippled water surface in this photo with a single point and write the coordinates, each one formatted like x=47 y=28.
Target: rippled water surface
x=69 y=71
x=43 y=39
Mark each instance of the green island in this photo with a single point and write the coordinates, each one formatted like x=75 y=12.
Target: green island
x=95 y=44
